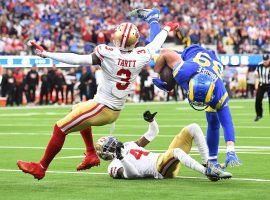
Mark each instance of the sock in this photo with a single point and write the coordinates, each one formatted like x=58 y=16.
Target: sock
x=88 y=140
x=154 y=28
x=54 y=146
x=212 y=136
x=225 y=118
x=189 y=162
x=197 y=134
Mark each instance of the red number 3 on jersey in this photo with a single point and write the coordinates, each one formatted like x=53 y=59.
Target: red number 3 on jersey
x=138 y=153
x=123 y=86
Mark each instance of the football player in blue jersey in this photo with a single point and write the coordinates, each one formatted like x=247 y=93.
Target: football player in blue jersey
x=199 y=72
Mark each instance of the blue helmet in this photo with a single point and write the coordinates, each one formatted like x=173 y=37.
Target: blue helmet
x=200 y=93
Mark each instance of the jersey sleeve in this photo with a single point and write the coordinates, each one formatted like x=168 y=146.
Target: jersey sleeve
x=142 y=55
x=103 y=51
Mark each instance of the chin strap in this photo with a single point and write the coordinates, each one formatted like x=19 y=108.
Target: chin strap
x=198 y=107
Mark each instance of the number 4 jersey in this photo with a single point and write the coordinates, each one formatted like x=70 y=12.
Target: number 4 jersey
x=142 y=160
x=120 y=70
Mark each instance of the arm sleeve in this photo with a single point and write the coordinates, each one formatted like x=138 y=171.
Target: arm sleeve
x=152 y=131
x=130 y=170
x=225 y=119
x=70 y=58
x=157 y=42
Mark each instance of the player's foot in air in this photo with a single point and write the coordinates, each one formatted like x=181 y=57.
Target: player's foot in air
x=88 y=162
x=214 y=172
x=32 y=168
x=147 y=15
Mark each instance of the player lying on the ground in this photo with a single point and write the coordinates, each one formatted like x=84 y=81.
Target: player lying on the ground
x=199 y=72
x=120 y=65
x=131 y=160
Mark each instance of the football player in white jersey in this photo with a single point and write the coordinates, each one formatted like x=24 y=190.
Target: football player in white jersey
x=131 y=160
x=121 y=65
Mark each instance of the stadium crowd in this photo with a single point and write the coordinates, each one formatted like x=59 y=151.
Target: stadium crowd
x=78 y=25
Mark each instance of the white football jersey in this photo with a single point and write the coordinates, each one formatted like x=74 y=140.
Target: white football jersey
x=144 y=161
x=120 y=70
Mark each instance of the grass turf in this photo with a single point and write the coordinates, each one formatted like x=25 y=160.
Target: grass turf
x=25 y=132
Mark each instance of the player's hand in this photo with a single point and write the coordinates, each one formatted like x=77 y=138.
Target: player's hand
x=38 y=49
x=160 y=84
x=232 y=159
x=118 y=150
x=148 y=116
x=171 y=26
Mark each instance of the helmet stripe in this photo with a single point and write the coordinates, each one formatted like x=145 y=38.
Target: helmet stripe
x=128 y=34
x=123 y=34
x=191 y=90
x=209 y=93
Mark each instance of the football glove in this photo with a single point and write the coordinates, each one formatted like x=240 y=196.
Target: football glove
x=118 y=150
x=171 y=26
x=148 y=116
x=39 y=49
x=160 y=84
x=232 y=159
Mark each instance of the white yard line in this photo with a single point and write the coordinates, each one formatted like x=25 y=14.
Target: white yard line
x=133 y=126
x=101 y=173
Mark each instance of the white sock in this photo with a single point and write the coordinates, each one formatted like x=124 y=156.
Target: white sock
x=197 y=134
x=186 y=160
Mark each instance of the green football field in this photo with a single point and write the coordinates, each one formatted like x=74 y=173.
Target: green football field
x=24 y=133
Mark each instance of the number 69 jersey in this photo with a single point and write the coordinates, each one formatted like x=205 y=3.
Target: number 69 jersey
x=143 y=161
x=120 y=70
x=198 y=60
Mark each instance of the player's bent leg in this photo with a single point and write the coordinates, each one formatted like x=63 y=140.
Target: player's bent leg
x=91 y=159
x=183 y=141
x=167 y=165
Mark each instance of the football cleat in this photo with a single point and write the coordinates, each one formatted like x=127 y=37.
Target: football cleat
x=214 y=172
x=88 y=162
x=147 y=15
x=32 y=168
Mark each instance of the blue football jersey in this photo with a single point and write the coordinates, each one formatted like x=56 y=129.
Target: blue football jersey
x=199 y=60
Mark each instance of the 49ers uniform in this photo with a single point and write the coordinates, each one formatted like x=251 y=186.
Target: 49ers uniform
x=120 y=70
x=143 y=161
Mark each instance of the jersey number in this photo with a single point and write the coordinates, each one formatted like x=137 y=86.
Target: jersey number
x=204 y=60
x=138 y=153
x=123 y=86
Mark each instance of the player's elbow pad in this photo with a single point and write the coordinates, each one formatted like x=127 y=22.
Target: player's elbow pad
x=152 y=132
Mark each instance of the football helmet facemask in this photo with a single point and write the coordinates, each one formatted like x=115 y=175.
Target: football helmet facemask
x=126 y=36
x=105 y=147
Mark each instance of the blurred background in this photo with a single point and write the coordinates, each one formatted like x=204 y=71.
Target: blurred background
x=238 y=30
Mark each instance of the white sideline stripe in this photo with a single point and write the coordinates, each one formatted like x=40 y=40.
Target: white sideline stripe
x=127 y=104
x=102 y=173
x=132 y=126
x=120 y=135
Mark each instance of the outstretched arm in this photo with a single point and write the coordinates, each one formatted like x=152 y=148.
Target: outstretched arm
x=152 y=131
x=69 y=58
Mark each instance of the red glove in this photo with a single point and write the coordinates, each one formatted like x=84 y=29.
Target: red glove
x=39 y=49
x=171 y=26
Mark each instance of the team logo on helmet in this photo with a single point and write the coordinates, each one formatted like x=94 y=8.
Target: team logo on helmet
x=200 y=93
x=126 y=36
x=105 y=147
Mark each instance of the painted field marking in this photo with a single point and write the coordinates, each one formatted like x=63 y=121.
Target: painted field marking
x=101 y=173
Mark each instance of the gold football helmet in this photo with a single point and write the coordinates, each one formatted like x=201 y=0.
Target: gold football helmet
x=105 y=147
x=126 y=36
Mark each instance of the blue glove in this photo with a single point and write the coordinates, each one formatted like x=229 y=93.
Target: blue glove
x=232 y=159
x=160 y=84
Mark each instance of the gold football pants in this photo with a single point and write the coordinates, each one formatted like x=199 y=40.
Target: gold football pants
x=86 y=114
x=167 y=165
